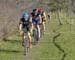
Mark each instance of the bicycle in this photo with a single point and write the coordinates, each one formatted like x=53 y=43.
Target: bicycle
x=26 y=43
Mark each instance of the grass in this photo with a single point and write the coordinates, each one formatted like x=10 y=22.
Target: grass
x=45 y=50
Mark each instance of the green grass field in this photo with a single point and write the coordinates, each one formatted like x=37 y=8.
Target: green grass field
x=50 y=47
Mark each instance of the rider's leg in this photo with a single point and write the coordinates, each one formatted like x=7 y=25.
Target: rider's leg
x=30 y=40
x=32 y=28
x=38 y=27
x=23 y=37
x=43 y=25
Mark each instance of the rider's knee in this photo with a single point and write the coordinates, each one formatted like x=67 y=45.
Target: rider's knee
x=29 y=35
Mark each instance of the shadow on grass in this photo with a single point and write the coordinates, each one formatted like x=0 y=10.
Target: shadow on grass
x=12 y=41
x=15 y=41
x=10 y=51
x=20 y=41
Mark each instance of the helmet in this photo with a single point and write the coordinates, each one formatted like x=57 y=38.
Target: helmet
x=34 y=10
x=40 y=10
x=25 y=15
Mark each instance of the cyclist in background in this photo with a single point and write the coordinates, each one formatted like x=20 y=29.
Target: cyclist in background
x=36 y=19
x=24 y=26
x=43 y=16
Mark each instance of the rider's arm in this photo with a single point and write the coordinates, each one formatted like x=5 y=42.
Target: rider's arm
x=20 y=24
x=31 y=22
x=20 y=27
x=31 y=25
x=40 y=18
x=44 y=15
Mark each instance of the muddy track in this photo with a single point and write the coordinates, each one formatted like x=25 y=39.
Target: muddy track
x=58 y=46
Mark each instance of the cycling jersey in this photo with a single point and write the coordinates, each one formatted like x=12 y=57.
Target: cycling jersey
x=35 y=19
x=25 y=24
x=43 y=16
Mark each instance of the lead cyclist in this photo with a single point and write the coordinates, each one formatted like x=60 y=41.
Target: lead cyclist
x=25 y=25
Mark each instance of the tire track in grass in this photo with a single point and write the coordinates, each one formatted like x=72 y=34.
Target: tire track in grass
x=57 y=45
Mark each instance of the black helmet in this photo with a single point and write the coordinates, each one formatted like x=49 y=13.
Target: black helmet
x=34 y=10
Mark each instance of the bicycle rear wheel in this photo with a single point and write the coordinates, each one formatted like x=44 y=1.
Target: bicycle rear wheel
x=36 y=36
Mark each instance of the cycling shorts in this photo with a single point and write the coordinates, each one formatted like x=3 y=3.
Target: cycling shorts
x=26 y=28
x=36 y=22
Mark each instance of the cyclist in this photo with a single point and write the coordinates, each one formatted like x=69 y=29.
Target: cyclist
x=25 y=26
x=43 y=16
x=36 y=19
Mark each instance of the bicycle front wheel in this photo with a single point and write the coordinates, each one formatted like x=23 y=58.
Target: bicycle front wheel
x=26 y=46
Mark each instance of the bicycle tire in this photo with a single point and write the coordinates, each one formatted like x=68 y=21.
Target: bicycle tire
x=26 y=45
x=36 y=36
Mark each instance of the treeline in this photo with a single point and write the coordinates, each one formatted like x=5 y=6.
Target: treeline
x=60 y=4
